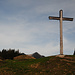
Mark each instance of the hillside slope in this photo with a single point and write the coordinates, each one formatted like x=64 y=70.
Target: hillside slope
x=44 y=66
x=23 y=57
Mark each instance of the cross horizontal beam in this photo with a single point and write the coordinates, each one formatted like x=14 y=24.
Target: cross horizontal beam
x=67 y=19
x=58 y=18
x=54 y=18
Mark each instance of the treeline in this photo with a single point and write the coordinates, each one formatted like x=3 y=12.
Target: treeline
x=9 y=54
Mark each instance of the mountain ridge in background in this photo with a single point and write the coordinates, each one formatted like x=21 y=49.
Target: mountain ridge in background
x=36 y=55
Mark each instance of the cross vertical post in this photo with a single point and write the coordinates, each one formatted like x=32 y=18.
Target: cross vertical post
x=61 y=33
x=61 y=18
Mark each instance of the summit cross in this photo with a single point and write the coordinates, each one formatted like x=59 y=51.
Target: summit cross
x=61 y=18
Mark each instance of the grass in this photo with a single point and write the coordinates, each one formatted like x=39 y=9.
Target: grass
x=44 y=66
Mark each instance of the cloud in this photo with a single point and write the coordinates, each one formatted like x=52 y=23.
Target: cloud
x=24 y=24
x=48 y=49
x=68 y=46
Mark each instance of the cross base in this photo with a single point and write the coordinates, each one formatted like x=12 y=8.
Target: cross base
x=61 y=56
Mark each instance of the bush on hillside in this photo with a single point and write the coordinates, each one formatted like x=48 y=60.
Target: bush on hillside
x=9 y=54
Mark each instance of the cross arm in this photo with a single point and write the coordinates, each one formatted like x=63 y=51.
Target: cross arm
x=67 y=19
x=58 y=18
x=54 y=18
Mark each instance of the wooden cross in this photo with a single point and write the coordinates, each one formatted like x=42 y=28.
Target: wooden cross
x=61 y=18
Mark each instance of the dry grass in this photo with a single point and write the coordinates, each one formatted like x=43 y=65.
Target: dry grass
x=22 y=57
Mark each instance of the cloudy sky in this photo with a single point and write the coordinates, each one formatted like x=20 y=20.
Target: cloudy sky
x=24 y=25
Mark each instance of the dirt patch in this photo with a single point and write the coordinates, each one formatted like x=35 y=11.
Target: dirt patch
x=22 y=57
x=61 y=56
x=1 y=60
x=69 y=59
x=35 y=65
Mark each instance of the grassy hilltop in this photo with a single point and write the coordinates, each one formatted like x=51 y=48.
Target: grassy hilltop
x=44 y=66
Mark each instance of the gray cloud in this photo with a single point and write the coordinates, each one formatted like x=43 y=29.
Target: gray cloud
x=24 y=25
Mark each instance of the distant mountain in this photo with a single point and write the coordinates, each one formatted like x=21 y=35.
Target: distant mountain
x=36 y=55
